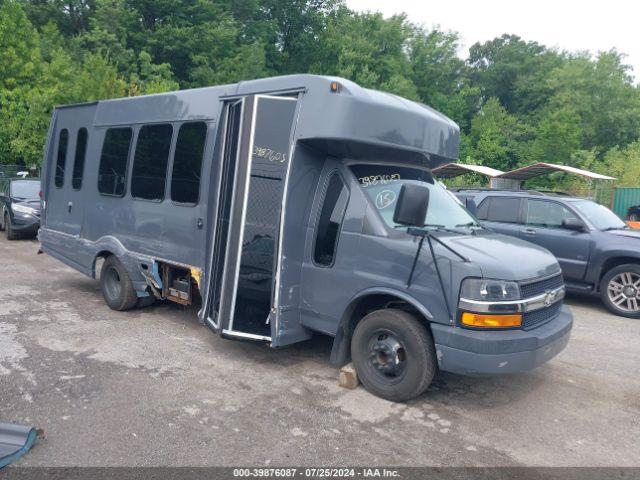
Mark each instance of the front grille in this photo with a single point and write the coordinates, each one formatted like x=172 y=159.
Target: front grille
x=538 y=317
x=539 y=287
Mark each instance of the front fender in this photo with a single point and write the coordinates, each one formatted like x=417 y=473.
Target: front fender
x=341 y=349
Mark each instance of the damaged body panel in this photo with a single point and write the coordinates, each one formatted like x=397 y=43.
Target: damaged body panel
x=273 y=200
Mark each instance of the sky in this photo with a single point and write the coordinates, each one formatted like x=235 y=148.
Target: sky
x=566 y=24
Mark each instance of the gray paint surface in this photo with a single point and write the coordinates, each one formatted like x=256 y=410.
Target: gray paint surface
x=331 y=130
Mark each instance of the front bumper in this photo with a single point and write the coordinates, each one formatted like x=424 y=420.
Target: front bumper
x=473 y=352
x=25 y=223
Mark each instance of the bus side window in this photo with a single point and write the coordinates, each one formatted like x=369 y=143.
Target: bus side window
x=112 y=174
x=62 y=157
x=330 y=221
x=148 y=176
x=78 y=163
x=187 y=163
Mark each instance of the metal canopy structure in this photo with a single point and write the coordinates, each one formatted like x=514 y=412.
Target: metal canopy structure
x=450 y=170
x=538 y=169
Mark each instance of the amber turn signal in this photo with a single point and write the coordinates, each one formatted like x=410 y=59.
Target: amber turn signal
x=491 y=320
x=335 y=87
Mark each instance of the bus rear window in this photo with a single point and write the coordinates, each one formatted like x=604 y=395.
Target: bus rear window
x=62 y=157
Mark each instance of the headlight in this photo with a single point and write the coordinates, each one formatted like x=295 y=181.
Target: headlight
x=24 y=209
x=489 y=290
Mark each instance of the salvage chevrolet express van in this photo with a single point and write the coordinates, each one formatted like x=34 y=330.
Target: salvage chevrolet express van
x=296 y=205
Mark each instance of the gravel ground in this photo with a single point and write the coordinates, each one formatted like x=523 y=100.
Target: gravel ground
x=153 y=387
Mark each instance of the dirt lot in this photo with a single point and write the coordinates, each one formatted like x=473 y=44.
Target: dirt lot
x=153 y=387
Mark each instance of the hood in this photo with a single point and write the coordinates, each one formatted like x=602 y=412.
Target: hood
x=625 y=233
x=33 y=203
x=504 y=257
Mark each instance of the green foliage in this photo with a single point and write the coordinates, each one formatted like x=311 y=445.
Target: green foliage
x=517 y=102
x=497 y=137
x=18 y=47
x=624 y=164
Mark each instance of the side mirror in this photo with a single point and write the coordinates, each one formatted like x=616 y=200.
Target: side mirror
x=411 y=208
x=573 y=223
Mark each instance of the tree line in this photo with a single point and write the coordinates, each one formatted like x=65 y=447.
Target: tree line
x=516 y=101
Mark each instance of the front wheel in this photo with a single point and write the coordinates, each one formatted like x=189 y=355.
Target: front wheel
x=8 y=227
x=620 y=290
x=393 y=354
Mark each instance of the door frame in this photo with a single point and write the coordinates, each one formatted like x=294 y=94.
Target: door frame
x=224 y=321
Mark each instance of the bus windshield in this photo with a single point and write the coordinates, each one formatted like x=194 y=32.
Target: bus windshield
x=382 y=183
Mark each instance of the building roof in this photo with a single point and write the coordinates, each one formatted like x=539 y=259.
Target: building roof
x=538 y=169
x=450 y=170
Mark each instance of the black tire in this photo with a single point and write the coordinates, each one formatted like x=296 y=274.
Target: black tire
x=8 y=229
x=145 y=301
x=3 y=220
x=116 y=285
x=624 y=301
x=394 y=355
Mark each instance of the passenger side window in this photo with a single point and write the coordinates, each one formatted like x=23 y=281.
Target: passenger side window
x=112 y=174
x=505 y=210
x=149 y=173
x=78 y=163
x=541 y=213
x=330 y=221
x=187 y=163
x=483 y=210
x=63 y=142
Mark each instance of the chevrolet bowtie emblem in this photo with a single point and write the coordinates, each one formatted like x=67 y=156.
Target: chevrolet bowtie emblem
x=549 y=298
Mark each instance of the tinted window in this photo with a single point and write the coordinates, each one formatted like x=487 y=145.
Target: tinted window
x=187 y=163
x=483 y=210
x=335 y=204
x=78 y=163
x=149 y=173
x=63 y=141
x=547 y=214
x=503 y=210
x=112 y=175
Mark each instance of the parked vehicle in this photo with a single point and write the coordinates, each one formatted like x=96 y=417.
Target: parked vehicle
x=599 y=254
x=19 y=207
x=296 y=205
x=633 y=217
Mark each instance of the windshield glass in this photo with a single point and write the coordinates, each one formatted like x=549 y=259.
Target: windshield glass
x=25 y=189
x=600 y=217
x=382 y=183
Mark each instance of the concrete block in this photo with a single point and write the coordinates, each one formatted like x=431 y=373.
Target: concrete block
x=348 y=377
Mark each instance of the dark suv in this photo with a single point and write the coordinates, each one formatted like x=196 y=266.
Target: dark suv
x=19 y=207
x=598 y=252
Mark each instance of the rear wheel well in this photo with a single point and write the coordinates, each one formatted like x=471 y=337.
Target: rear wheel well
x=360 y=308
x=614 y=262
x=102 y=255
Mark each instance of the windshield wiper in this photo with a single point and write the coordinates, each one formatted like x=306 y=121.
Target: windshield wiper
x=608 y=229
x=467 y=225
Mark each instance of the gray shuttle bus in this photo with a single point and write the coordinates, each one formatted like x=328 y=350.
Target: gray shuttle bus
x=295 y=205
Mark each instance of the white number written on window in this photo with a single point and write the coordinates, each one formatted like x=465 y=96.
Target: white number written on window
x=269 y=154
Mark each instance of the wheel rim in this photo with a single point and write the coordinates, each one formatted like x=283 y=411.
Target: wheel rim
x=624 y=291
x=112 y=283
x=386 y=356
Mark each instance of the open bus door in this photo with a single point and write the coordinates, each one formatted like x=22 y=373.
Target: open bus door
x=242 y=299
